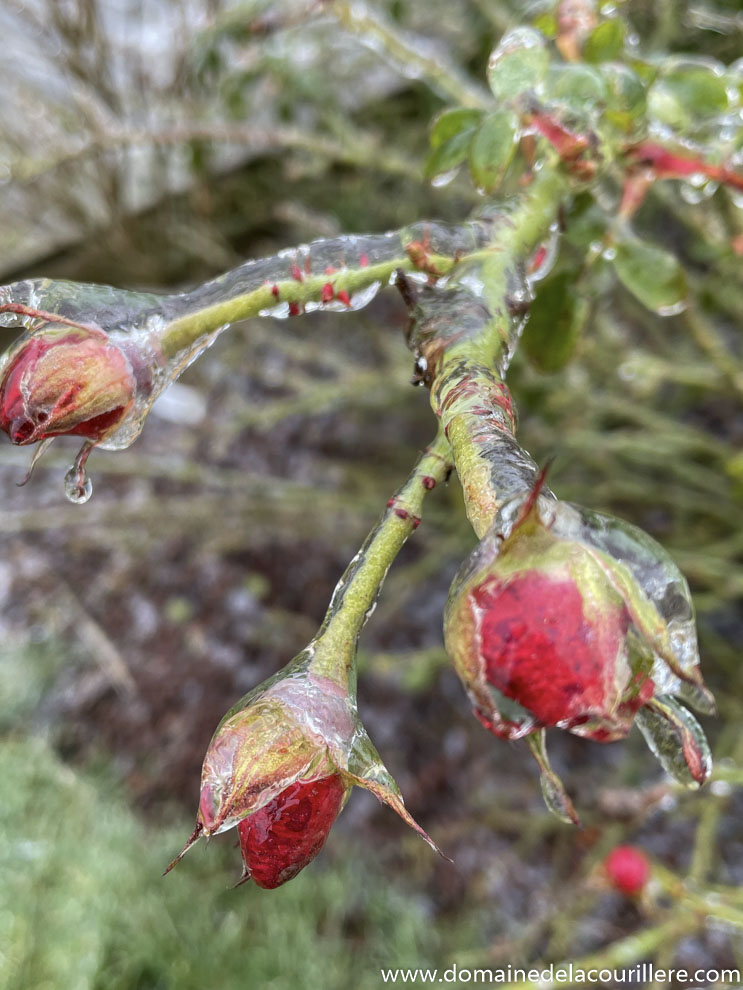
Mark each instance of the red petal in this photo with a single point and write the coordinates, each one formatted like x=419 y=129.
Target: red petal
x=285 y=835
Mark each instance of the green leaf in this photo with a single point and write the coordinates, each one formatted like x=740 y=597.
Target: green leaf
x=449 y=123
x=492 y=149
x=627 y=104
x=556 y=319
x=577 y=86
x=519 y=63
x=606 y=42
x=686 y=95
x=448 y=155
x=652 y=274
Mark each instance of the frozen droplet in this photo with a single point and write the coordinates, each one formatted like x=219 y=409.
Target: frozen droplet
x=279 y=312
x=77 y=490
x=673 y=310
x=545 y=256
x=609 y=253
x=444 y=178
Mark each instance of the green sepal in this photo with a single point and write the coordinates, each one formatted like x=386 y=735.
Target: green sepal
x=365 y=769
x=553 y=790
x=676 y=739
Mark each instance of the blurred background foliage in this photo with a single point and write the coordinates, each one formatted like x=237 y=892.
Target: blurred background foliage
x=151 y=145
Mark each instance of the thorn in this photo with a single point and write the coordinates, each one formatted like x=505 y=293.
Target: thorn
x=191 y=839
x=531 y=500
x=243 y=879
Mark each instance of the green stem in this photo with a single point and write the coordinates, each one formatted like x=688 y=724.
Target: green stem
x=439 y=75
x=619 y=955
x=325 y=273
x=467 y=333
x=357 y=591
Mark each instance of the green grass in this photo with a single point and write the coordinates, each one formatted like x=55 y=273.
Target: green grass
x=82 y=903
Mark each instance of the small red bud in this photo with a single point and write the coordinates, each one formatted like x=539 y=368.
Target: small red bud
x=627 y=869
x=326 y=293
x=343 y=297
x=286 y=834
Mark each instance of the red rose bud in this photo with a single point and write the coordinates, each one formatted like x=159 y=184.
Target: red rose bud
x=568 y=618
x=65 y=380
x=287 y=833
x=280 y=765
x=627 y=869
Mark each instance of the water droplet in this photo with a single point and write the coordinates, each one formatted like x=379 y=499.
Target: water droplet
x=73 y=489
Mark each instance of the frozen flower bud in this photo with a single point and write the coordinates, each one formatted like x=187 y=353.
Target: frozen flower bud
x=287 y=833
x=280 y=767
x=627 y=869
x=65 y=380
x=569 y=618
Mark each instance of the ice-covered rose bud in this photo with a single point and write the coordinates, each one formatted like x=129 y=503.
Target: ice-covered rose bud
x=65 y=380
x=280 y=766
x=569 y=618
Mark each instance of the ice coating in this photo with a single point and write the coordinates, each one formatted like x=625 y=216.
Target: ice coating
x=561 y=616
x=162 y=334
x=302 y=724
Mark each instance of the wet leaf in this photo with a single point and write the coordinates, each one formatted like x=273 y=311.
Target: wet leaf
x=652 y=274
x=452 y=122
x=448 y=156
x=556 y=319
x=627 y=100
x=680 y=98
x=577 y=86
x=518 y=64
x=605 y=42
x=492 y=149
x=450 y=140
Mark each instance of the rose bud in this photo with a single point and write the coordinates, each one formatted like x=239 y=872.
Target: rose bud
x=280 y=766
x=287 y=833
x=569 y=618
x=627 y=869
x=65 y=380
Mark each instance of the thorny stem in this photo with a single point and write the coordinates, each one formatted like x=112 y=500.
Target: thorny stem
x=466 y=334
x=357 y=591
